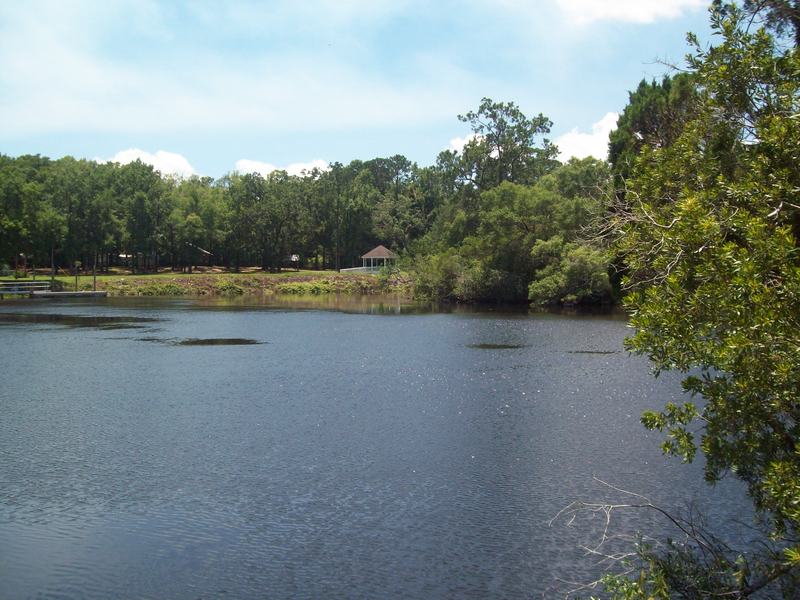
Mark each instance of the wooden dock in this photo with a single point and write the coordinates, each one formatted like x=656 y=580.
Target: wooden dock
x=22 y=288
x=41 y=289
x=88 y=294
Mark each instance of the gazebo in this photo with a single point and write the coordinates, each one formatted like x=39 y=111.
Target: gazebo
x=378 y=257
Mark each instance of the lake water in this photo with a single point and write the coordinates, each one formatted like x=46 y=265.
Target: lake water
x=179 y=449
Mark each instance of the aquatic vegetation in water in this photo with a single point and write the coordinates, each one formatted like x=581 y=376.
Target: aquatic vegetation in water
x=195 y=341
x=497 y=346
x=162 y=289
x=217 y=342
x=322 y=286
x=228 y=288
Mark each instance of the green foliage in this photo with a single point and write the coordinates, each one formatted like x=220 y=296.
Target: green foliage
x=226 y=287
x=781 y=16
x=653 y=118
x=710 y=231
x=488 y=250
x=586 y=178
x=471 y=219
x=303 y=288
x=568 y=273
x=436 y=276
x=128 y=215
x=503 y=146
x=162 y=289
x=386 y=275
x=675 y=419
x=675 y=571
x=332 y=285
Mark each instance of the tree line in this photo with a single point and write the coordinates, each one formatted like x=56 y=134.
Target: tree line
x=64 y=211
x=467 y=224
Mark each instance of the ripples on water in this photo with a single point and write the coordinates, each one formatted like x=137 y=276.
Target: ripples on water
x=353 y=455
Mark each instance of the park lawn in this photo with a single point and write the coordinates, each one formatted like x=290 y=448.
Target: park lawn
x=168 y=283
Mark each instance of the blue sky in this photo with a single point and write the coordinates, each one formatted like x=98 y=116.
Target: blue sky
x=208 y=87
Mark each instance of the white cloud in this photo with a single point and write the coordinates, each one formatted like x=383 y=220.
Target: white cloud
x=56 y=79
x=458 y=143
x=254 y=166
x=246 y=165
x=580 y=145
x=582 y=12
x=169 y=163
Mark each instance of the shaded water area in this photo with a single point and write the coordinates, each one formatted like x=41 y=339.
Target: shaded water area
x=320 y=449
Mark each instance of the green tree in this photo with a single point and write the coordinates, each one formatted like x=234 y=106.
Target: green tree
x=504 y=145
x=568 y=273
x=496 y=259
x=782 y=16
x=140 y=191
x=243 y=193
x=710 y=231
x=49 y=232
x=654 y=117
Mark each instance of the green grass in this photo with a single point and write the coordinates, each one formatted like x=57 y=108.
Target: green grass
x=167 y=283
x=174 y=274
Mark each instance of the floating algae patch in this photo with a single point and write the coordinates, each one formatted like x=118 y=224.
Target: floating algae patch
x=217 y=342
x=96 y=322
x=497 y=346
x=196 y=341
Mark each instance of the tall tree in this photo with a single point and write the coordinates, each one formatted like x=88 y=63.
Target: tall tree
x=654 y=117
x=710 y=234
x=504 y=145
x=782 y=16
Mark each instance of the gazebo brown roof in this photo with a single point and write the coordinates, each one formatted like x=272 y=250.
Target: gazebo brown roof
x=380 y=252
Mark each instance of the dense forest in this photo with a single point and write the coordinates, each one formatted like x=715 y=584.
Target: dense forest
x=482 y=224
x=69 y=210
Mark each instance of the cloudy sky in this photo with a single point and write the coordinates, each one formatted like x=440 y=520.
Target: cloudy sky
x=207 y=87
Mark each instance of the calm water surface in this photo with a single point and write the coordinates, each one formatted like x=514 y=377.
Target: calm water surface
x=176 y=449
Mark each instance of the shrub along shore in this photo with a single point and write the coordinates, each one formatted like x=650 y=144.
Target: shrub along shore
x=235 y=284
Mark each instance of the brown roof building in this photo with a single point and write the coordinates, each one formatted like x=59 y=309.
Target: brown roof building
x=380 y=256
x=380 y=252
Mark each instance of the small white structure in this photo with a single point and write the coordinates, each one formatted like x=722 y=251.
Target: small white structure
x=378 y=257
x=374 y=260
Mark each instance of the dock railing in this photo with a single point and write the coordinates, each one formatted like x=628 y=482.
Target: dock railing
x=22 y=288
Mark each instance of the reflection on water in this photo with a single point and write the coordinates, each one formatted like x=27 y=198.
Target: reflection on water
x=365 y=304
x=75 y=320
x=351 y=456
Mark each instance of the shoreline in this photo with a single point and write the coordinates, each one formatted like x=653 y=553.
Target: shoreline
x=202 y=284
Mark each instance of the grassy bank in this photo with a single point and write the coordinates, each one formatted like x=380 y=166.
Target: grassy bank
x=235 y=284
